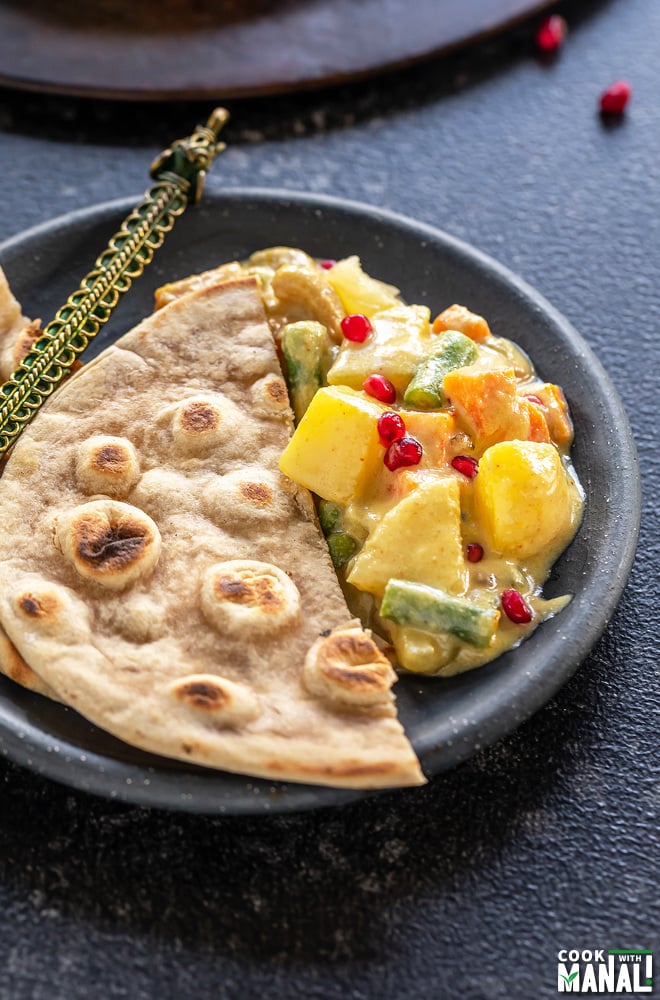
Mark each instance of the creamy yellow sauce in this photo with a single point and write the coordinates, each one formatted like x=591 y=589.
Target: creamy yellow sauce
x=490 y=576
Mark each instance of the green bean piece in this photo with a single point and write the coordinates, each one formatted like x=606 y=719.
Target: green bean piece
x=433 y=610
x=308 y=354
x=425 y=391
x=329 y=516
x=342 y=547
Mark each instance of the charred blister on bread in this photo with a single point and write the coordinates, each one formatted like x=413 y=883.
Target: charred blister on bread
x=200 y=423
x=108 y=465
x=346 y=668
x=203 y=424
x=228 y=703
x=110 y=542
x=34 y=605
x=248 y=594
x=247 y=495
x=269 y=397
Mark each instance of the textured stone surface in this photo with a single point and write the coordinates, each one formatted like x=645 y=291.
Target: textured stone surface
x=467 y=888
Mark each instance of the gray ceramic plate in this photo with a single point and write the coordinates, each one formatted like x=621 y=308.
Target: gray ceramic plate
x=447 y=720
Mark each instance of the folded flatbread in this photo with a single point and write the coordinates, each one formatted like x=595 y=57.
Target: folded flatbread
x=17 y=332
x=160 y=575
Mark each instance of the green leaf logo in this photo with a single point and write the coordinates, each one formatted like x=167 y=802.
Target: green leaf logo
x=569 y=979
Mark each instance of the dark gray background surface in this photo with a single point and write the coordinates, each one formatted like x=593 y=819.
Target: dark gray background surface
x=466 y=889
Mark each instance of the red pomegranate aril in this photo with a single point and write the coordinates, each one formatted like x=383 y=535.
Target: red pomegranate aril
x=356 y=327
x=551 y=34
x=403 y=452
x=327 y=264
x=613 y=101
x=380 y=388
x=390 y=428
x=474 y=552
x=465 y=465
x=515 y=607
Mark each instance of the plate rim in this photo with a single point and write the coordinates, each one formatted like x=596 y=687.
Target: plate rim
x=119 y=780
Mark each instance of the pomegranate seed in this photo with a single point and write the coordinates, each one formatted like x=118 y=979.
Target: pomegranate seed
x=515 y=607
x=356 y=327
x=613 y=101
x=405 y=451
x=390 y=428
x=551 y=34
x=534 y=399
x=380 y=388
x=465 y=465
x=327 y=264
x=475 y=552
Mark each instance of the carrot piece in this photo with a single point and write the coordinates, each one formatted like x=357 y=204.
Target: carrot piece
x=487 y=405
x=459 y=318
x=556 y=413
x=538 y=426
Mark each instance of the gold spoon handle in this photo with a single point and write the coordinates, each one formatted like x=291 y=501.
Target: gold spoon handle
x=179 y=173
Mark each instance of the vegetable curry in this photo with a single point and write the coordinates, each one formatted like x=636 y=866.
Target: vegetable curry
x=438 y=457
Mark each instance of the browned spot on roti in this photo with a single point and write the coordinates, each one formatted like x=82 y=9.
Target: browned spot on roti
x=353 y=660
x=110 y=542
x=26 y=340
x=225 y=703
x=203 y=694
x=257 y=493
x=352 y=677
x=256 y=591
x=276 y=390
x=41 y=606
x=110 y=546
x=199 y=417
x=347 y=668
x=113 y=459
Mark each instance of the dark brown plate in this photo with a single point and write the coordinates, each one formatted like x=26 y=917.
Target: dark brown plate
x=173 y=49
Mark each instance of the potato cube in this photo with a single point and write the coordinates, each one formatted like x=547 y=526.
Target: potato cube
x=358 y=291
x=335 y=449
x=524 y=499
x=401 y=339
x=418 y=540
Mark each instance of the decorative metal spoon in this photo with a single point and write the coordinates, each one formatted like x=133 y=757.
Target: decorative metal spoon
x=179 y=173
